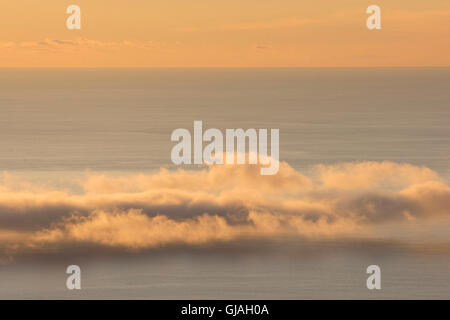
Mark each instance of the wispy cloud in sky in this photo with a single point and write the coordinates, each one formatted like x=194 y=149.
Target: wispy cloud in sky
x=78 y=43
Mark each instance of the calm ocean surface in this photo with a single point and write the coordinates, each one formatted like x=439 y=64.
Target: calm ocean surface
x=56 y=123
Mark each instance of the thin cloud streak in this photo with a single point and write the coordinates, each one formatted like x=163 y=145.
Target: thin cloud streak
x=78 y=43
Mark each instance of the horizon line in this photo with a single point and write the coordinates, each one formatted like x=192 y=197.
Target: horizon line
x=239 y=67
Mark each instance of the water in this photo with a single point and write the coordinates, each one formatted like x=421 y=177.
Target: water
x=60 y=123
x=70 y=120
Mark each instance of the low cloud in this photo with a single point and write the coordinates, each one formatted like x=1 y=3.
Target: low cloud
x=224 y=203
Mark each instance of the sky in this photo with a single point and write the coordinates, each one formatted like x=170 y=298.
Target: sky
x=232 y=33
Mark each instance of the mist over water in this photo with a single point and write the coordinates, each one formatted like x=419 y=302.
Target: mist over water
x=60 y=125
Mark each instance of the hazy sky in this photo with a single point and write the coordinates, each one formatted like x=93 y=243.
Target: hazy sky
x=205 y=33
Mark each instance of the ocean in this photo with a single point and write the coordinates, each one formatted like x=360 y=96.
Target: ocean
x=58 y=124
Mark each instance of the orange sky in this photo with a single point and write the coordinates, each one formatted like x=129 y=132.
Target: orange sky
x=232 y=33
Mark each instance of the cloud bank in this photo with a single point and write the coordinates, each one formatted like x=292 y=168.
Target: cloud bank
x=222 y=203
